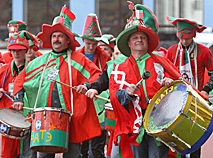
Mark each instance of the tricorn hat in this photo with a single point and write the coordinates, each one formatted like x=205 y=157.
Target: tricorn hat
x=144 y=20
x=61 y=23
x=186 y=28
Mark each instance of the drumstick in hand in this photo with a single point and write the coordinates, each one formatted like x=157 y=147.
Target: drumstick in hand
x=97 y=96
x=12 y=101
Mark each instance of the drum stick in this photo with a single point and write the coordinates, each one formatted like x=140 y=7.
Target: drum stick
x=28 y=108
x=97 y=96
x=12 y=101
x=145 y=76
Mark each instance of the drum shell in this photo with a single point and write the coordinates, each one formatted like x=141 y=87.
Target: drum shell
x=50 y=130
x=110 y=121
x=189 y=135
x=12 y=131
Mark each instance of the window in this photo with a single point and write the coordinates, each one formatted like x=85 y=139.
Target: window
x=112 y=15
x=6 y=16
x=43 y=12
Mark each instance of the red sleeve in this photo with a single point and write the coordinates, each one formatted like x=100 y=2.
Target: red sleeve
x=19 y=82
x=2 y=59
x=7 y=57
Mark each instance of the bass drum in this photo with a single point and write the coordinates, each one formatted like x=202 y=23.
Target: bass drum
x=179 y=117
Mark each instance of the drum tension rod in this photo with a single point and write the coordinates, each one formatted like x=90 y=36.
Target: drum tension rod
x=8 y=130
x=182 y=113
x=175 y=136
x=44 y=114
x=189 y=92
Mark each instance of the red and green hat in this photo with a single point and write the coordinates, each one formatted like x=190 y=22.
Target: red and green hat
x=34 y=44
x=16 y=26
x=61 y=23
x=20 y=40
x=186 y=28
x=91 y=28
x=142 y=20
x=111 y=40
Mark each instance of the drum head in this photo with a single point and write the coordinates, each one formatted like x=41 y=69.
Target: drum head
x=166 y=106
x=13 y=118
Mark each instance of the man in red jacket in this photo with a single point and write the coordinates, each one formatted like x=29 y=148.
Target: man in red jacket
x=91 y=36
x=18 y=46
x=69 y=67
x=13 y=27
x=191 y=58
x=137 y=42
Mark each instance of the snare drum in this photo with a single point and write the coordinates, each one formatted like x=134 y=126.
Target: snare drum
x=13 y=124
x=179 y=117
x=110 y=121
x=50 y=130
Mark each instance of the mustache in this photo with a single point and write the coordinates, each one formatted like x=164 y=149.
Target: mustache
x=57 y=42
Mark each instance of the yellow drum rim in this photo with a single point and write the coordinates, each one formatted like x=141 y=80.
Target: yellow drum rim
x=177 y=120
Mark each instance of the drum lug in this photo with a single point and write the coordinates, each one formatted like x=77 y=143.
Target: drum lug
x=189 y=92
x=8 y=130
x=22 y=133
x=175 y=136
x=59 y=114
x=44 y=114
x=70 y=117
x=33 y=115
x=166 y=130
x=203 y=128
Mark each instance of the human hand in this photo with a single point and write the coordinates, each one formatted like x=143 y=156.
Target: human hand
x=82 y=89
x=1 y=64
x=91 y=93
x=131 y=89
x=205 y=93
x=1 y=92
x=18 y=106
x=166 y=82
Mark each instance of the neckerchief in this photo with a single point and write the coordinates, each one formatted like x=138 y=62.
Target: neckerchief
x=185 y=64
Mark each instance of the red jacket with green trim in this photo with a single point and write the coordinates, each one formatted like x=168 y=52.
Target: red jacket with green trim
x=83 y=70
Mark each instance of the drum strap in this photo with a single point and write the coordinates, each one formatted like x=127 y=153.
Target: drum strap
x=70 y=76
x=195 y=61
x=42 y=76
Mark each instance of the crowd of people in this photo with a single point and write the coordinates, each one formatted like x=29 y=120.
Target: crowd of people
x=105 y=70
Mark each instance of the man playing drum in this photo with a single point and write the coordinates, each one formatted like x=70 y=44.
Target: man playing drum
x=137 y=42
x=18 y=45
x=68 y=67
